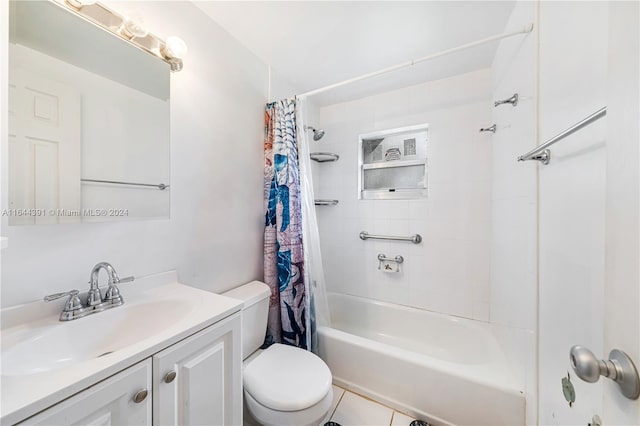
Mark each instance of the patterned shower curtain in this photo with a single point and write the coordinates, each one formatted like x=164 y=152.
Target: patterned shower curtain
x=283 y=249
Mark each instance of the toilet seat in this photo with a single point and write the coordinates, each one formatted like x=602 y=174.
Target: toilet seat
x=288 y=379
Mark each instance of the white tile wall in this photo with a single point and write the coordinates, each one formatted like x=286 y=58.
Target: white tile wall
x=450 y=271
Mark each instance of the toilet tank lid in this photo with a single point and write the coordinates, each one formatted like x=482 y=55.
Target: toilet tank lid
x=250 y=293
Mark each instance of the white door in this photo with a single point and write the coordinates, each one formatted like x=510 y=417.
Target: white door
x=198 y=380
x=44 y=149
x=111 y=402
x=588 y=197
x=622 y=245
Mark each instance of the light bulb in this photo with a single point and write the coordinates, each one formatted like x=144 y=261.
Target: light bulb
x=174 y=48
x=133 y=26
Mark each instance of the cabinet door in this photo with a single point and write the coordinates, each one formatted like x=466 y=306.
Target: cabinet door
x=110 y=402
x=207 y=388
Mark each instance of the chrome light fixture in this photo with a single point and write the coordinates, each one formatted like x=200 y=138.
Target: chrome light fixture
x=131 y=29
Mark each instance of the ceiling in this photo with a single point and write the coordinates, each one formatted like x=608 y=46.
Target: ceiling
x=312 y=43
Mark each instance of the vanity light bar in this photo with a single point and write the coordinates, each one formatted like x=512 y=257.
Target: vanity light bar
x=172 y=51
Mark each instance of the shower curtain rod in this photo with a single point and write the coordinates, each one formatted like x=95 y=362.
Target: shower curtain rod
x=523 y=30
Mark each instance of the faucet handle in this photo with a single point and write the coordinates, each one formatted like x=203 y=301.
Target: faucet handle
x=73 y=303
x=125 y=280
x=112 y=295
x=56 y=296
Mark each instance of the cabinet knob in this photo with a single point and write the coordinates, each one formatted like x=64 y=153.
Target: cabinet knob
x=170 y=376
x=140 y=396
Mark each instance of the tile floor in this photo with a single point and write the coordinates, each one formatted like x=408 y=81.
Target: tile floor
x=349 y=409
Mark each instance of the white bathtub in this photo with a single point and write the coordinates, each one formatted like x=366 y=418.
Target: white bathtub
x=439 y=368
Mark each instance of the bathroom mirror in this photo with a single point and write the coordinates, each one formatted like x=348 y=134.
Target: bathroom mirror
x=88 y=122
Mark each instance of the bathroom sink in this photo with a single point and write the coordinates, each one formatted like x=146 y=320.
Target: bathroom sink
x=49 y=344
x=45 y=360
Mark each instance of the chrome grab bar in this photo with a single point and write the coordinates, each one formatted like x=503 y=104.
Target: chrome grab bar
x=160 y=186
x=415 y=239
x=543 y=154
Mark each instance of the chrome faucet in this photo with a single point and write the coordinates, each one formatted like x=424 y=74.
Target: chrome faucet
x=74 y=308
x=112 y=295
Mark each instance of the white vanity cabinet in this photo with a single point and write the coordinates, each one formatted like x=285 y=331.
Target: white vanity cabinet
x=198 y=381
x=110 y=402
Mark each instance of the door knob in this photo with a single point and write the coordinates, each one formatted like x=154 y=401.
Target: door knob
x=619 y=368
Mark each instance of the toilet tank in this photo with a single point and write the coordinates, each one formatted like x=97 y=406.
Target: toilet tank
x=255 y=311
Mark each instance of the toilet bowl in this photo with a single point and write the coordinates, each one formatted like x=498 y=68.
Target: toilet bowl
x=283 y=385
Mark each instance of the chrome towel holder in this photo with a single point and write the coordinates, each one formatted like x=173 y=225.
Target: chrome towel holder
x=160 y=186
x=543 y=154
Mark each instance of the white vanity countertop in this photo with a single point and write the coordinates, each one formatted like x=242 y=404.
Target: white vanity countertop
x=68 y=356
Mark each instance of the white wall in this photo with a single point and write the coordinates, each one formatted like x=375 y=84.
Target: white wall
x=572 y=85
x=449 y=272
x=514 y=210
x=214 y=236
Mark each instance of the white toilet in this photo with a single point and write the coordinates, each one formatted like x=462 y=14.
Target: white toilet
x=283 y=385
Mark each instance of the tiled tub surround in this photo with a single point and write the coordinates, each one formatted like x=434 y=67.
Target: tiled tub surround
x=449 y=271
x=436 y=367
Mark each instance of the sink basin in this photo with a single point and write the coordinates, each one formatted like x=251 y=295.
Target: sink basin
x=45 y=360
x=49 y=345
